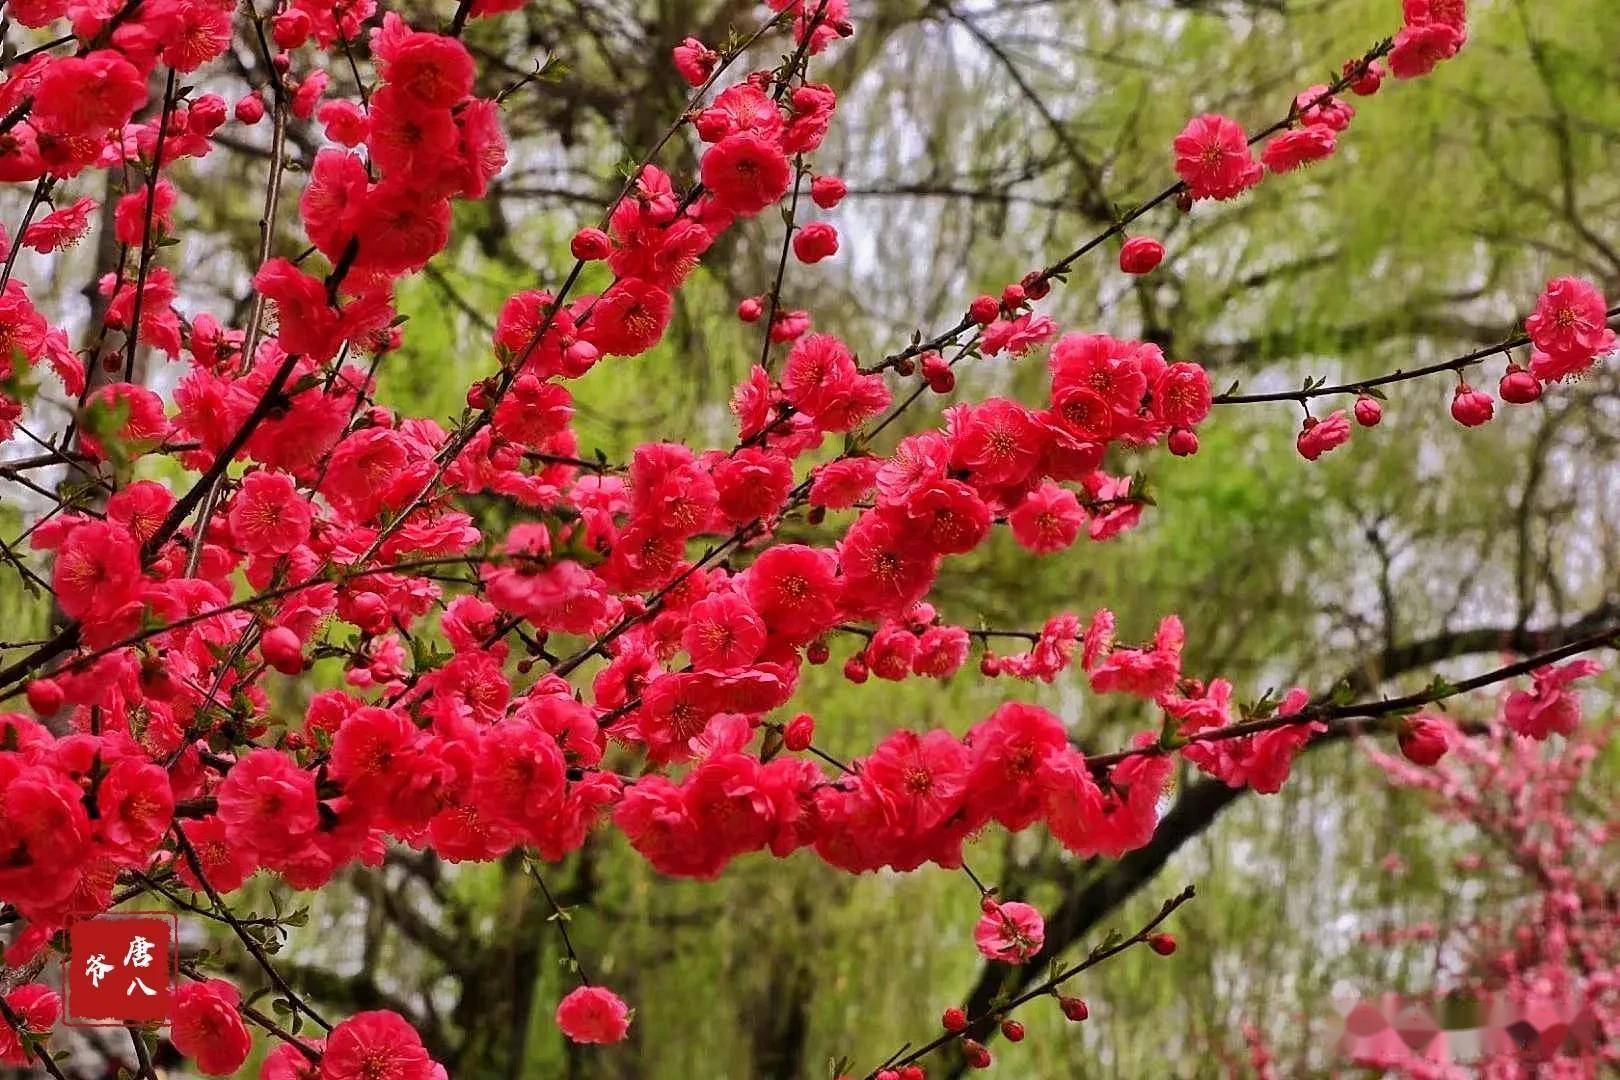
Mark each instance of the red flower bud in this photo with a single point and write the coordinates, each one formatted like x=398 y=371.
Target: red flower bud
x=954 y=1019
x=1367 y=83
x=589 y=245
x=798 y=733
x=818 y=652
x=855 y=669
x=828 y=191
x=816 y=241
x=369 y=613
x=1163 y=944
x=291 y=28
x=1073 y=1008
x=207 y=113
x=1368 y=411
x=695 y=61
x=1183 y=442
x=1423 y=739
x=1013 y=1030
x=1518 y=386
x=45 y=696
x=984 y=310
x=750 y=309
x=282 y=650
x=1470 y=407
x=250 y=110
x=579 y=357
x=1141 y=255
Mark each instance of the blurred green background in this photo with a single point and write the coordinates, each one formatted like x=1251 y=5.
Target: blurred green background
x=980 y=140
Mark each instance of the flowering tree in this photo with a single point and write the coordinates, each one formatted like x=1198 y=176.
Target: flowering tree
x=625 y=652
x=1537 y=964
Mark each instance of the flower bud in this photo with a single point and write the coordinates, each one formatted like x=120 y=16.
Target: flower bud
x=1141 y=255
x=207 y=113
x=291 y=28
x=369 y=613
x=282 y=650
x=1369 y=411
x=816 y=241
x=1470 y=407
x=695 y=61
x=1367 y=83
x=983 y=310
x=1073 y=1008
x=975 y=1053
x=250 y=110
x=589 y=245
x=45 y=696
x=579 y=358
x=799 y=731
x=954 y=1019
x=1423 y=739
x=1518 y=386
x=827 y=191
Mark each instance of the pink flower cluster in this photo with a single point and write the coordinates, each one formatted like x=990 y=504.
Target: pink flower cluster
x=1548 y=956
